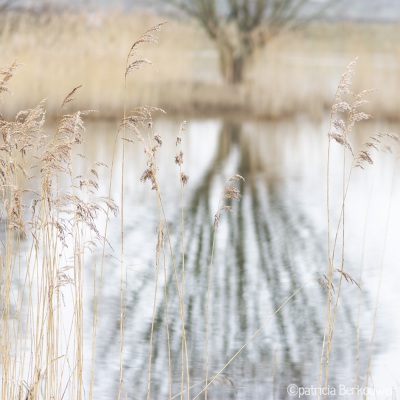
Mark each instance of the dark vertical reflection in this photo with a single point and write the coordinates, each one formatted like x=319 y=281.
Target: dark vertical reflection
x=265 y=252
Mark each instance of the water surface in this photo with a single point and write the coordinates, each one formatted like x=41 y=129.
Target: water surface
x=275 y=243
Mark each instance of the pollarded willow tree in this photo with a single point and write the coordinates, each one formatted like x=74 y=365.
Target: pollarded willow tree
x=239 y=27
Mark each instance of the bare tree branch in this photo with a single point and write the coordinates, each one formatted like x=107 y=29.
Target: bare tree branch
x=238 y=27
x=4 y=4
x=202 y=10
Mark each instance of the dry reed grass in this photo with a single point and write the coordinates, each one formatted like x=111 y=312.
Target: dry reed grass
x=42 y=343
x=346 y=113
x=56 y=211
x=62 y=51
x=61 y=222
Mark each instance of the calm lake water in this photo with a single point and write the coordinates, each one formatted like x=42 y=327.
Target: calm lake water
x=274 y=244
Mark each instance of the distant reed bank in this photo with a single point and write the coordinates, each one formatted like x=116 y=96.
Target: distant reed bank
x=61 y=51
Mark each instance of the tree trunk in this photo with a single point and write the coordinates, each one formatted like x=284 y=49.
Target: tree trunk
x=232 y=64
x=235 y=50
x=238 y=69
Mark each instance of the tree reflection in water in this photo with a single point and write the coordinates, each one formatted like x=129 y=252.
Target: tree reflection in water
x=268 y=249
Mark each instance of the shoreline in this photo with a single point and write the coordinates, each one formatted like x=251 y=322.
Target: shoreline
x=294 y=74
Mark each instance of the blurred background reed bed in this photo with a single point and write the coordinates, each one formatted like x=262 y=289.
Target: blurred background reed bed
x=63 y=50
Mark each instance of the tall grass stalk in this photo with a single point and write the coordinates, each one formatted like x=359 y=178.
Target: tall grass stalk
x=167 y=322
x=97 y=295
x=183 y=178
x=339 y=130
x=342 y=89
x=382 y=263
x=229 y=193
x=139 y=118
x=360 y=282
x=251 y=338
x=179 y=294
